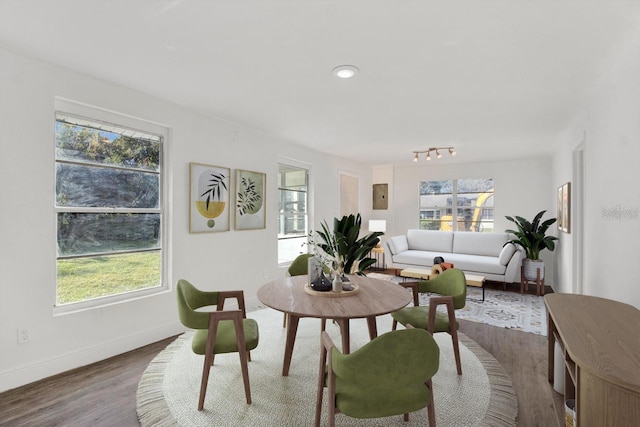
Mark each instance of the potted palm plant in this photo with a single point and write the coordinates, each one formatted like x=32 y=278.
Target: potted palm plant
x=531 y=236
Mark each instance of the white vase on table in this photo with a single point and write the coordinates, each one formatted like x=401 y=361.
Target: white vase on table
x=337 y=283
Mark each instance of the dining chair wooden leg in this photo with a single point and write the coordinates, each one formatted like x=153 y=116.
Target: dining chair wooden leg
x=394 y=325
x=456 y=349
x=208 y=360
x=431 y=410
x=241 y=343
x=453 y=331
x=321 y=374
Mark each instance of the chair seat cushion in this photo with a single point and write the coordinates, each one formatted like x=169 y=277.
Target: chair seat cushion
x=418 y=316
x=226 y=337
x=381 y=401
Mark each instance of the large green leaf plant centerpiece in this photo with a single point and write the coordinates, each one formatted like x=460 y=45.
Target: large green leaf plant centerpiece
x=342 y=250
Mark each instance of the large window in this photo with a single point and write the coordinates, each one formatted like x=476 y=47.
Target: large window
x=472 y=199
x=293 y=214
x=108 y=208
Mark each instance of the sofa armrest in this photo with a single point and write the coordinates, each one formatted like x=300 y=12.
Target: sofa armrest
x=512 y=272
x=397 y=244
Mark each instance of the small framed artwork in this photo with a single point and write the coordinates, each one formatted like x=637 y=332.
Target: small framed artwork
x=566 y=207
x=209 y=198
x=251 y=196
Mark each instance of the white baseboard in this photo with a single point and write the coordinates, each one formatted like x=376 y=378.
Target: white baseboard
x=29 y=373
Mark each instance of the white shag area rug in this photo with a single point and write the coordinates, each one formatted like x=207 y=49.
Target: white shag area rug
x=511 y=310
x=168 y=391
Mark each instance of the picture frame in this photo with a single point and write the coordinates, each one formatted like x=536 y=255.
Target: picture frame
x=559 y=209
x=564 y=207
x=209 y=198
x=251 y=196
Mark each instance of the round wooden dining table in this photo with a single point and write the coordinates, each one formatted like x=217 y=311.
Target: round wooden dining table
x=374 y=298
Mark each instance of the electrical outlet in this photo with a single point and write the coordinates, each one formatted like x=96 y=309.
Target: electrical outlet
x=265 y=274
x=24 y=336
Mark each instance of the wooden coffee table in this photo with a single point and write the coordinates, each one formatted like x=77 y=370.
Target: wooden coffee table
x=415 y=273
x=424 y=274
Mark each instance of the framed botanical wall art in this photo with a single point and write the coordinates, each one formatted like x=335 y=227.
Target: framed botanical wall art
x=209 y=198
x=251 y=196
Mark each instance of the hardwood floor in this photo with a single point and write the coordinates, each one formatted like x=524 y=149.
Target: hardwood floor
x=104 y=394
x=524 y=357
x=101 y=394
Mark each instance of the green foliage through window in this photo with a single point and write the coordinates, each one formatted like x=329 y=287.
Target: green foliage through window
x=108 y=209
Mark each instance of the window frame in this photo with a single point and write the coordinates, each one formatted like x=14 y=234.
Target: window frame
x=309 y=205
x=448 y=210
x=120 y=121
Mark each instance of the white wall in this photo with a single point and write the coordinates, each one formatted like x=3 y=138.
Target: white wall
x=227 y=260
x=522 y=187
x=609 y=126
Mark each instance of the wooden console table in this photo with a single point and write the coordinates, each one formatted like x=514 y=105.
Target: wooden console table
x=600 y=340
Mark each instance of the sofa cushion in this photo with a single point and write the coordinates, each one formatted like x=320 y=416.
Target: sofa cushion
x=397 y=244
x=430 y=240
x=413 y=257
x=507 y=252
x=477 y=264
x=488 y=244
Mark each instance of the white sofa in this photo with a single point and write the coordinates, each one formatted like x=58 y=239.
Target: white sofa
x=483 y=254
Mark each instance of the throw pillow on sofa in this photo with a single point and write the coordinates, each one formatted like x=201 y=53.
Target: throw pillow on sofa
x=507 y=252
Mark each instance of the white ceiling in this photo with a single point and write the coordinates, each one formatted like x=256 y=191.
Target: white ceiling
x=496 y=79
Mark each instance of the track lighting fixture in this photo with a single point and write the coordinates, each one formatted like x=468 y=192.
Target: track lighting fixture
x=417 y=153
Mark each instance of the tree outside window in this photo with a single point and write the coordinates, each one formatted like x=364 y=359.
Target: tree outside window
x=108 y=210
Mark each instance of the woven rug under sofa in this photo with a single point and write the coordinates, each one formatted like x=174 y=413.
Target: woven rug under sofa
x=503 y=309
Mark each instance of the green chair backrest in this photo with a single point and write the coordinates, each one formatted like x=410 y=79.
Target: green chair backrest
x=300 y=265
x=189 y=299
x=387 y=375
x=450 y=282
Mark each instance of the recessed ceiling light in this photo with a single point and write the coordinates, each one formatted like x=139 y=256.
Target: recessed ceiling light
x=345 y=71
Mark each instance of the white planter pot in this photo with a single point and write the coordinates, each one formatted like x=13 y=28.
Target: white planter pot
x=531 y=269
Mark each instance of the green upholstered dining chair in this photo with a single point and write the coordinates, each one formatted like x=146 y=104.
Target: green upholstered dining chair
x=219 y=331
x=299 y=266
x=451 y=287
x=390 y=375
